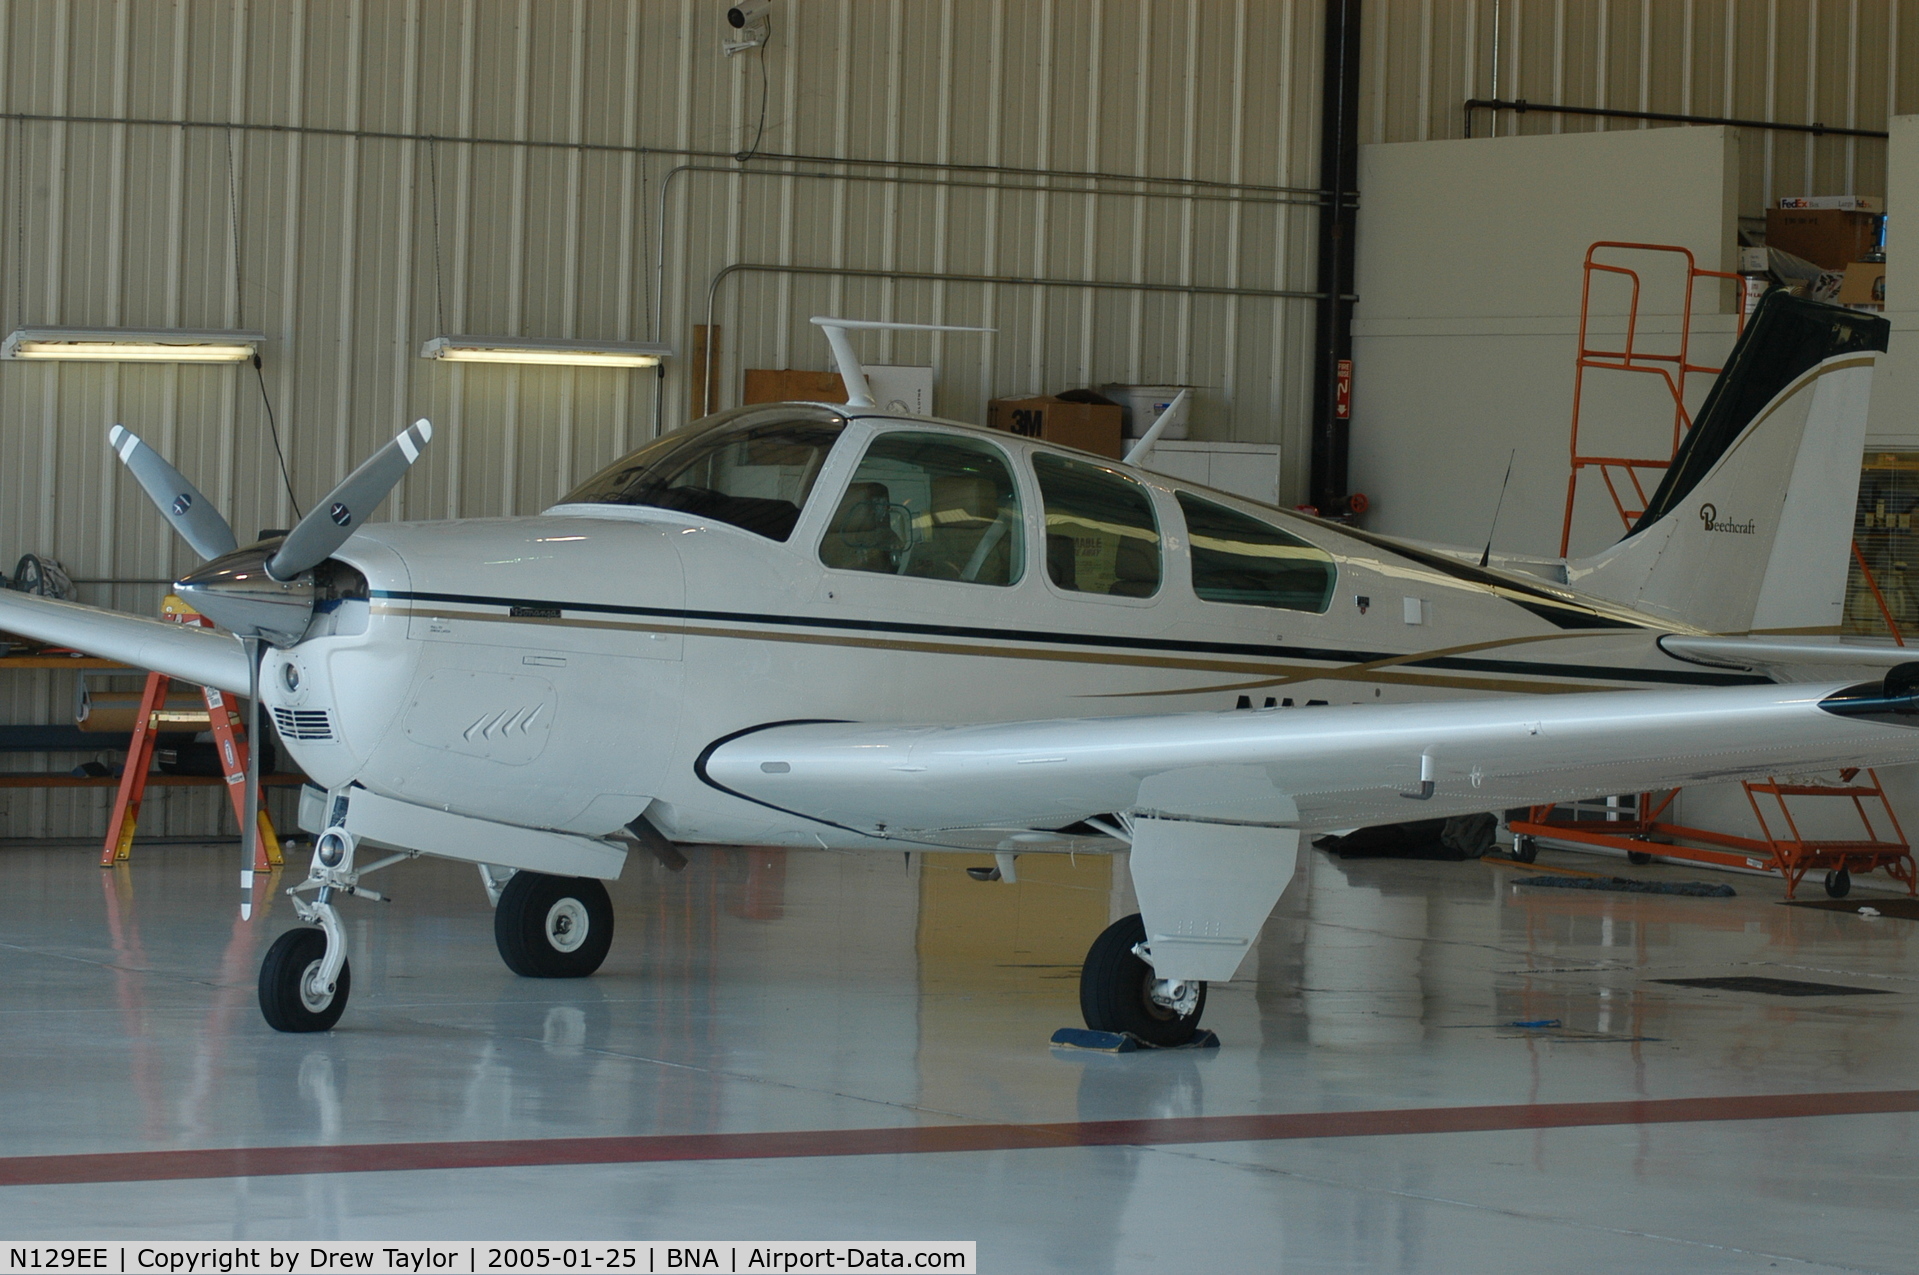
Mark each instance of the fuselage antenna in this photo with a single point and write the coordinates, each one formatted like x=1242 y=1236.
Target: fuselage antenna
x=858 y=393
x=1486 y=555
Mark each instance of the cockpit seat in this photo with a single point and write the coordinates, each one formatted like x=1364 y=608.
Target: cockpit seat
x=861 y=536
x=1060 y=564
x=964 y=510
x=1135 y=569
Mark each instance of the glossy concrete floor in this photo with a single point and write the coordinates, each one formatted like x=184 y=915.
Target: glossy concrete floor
x=759 y=992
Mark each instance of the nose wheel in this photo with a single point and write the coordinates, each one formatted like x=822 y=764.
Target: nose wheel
x=553 y=927
x=296 y=992
x=1119 y=991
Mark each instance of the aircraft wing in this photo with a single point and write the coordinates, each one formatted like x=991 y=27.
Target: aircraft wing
x=1787 y=658
x=1311 y=768
x=201 y=656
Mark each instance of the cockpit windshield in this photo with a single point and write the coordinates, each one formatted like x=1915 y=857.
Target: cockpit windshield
x=751 y=468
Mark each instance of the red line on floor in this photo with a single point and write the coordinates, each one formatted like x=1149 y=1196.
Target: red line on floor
x=241 y=1162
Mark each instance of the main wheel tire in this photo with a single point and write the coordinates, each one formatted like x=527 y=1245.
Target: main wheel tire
x=1839 y=884
x=288 y=1001
x=1114 y=987
x=1638 y=858
x=1525 y=848
x=553 y=927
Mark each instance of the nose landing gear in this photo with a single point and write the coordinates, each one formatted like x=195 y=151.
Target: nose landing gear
x=304 y=980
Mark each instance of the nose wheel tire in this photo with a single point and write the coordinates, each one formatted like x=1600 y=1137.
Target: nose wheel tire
x=1839 y=884
x=1116 y=990
x=291 y=997
x=553 y=927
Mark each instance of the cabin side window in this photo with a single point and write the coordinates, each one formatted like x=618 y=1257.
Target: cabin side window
x=1239 y=559
x=1101 y=536
x=755 y=477
x=932 y=506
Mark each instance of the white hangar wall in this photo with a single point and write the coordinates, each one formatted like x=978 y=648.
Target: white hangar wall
x=1842 y=63
x=330 y=219
x=1469 y=280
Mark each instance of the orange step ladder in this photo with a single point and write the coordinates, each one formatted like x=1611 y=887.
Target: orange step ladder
x=228 y=735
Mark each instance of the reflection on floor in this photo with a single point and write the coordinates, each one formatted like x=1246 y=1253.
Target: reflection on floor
x=758 y=992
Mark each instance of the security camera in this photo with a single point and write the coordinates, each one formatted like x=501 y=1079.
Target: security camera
x=741 y=15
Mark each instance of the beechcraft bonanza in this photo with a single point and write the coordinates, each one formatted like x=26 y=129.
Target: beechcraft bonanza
x=831 y=626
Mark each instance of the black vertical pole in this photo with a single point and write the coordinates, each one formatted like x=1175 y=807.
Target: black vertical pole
x=1338 y=223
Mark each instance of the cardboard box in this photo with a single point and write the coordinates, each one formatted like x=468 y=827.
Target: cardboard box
x=1865 y=284
x=790 y=385
x=1854 y=203
x=1091 y=427
x=904 y=389
x=1828 y=237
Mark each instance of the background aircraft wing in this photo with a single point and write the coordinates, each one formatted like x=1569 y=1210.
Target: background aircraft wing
x=1312 y=768
x=201 y=656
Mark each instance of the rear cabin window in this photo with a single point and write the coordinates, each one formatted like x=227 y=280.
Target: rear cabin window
x=1101 y=536
x=932 y=506
x=1237 y=558
x=756 y=477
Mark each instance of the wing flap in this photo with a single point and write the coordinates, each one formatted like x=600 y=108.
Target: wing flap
x=201 y=656
x=1332 y=767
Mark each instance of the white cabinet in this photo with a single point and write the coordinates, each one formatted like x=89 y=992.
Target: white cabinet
x=1244 y=469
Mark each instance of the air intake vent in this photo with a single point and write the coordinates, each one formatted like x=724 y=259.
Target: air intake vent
x=303 y=723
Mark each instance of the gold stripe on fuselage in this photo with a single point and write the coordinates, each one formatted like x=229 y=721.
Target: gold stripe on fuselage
x=1270 y=672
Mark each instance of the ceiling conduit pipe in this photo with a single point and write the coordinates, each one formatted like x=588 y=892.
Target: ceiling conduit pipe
x=1338 y=225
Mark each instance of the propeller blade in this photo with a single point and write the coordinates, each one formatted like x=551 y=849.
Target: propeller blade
x=180 y=502
x=339 y=514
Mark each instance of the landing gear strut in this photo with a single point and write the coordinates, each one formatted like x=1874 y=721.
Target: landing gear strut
x=304 y=979
x=553 y=927
x=1119 y=992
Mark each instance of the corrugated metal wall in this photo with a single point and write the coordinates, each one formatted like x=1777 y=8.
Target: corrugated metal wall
x=1841 y=63
x=940 y=131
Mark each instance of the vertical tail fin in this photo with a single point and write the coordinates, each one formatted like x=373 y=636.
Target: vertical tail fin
x=1751 y=528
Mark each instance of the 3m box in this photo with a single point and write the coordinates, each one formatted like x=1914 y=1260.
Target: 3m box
x=1091 y=427
x=1828 y=237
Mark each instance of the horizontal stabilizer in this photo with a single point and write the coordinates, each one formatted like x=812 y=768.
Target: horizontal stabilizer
x=201 y=656
x=1773 y=654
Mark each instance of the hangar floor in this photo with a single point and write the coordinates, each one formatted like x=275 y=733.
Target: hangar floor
x=813 y=994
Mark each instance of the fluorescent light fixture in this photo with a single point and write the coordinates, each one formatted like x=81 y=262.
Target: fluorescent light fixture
x=520 y=349
x=131 y=345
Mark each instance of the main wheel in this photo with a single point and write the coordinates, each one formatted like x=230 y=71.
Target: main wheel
x=553 y=927
x=1525 y=848
x=1839 y=884
x=290 y=998
x=1115 y=990
x=1639 y=858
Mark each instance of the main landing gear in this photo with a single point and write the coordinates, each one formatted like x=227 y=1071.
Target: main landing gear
x=1118 y=991
x=552 y=927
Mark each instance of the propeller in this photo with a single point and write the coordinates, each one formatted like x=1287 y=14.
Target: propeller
x=328 y=524
x=264 y=593
x=180 y=502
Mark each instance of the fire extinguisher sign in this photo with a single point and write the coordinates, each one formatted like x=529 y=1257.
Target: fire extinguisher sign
x=1343 y=391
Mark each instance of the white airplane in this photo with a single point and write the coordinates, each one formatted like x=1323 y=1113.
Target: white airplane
x=829 y=626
